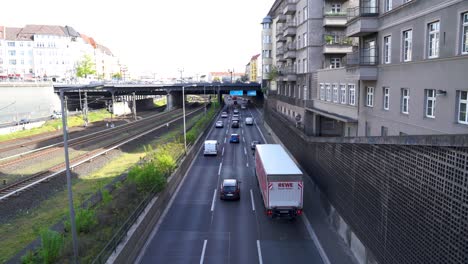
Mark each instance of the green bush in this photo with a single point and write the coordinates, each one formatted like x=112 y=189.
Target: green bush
x=85 y=221
x=30 y=258
x=51 y=245
x=106 y=196
x=147 y=176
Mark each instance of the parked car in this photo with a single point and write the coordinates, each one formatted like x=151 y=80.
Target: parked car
x=224 y=115
x=56 y=115
x=219 y=124
x=229 y=189
x=253 y=144
x=235 y=138
x=23 y=121
x=235 y=124
x=249 y=121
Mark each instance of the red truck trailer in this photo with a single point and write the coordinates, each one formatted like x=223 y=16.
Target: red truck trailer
x=280 y=181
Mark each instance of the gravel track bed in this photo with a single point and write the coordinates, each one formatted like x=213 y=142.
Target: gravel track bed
x=33 y=197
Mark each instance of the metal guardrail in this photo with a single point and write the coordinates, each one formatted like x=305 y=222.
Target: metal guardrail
x=366 y=8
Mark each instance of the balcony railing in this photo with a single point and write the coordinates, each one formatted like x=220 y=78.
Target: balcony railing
x=334 y=14
x=365 y=57
x=290 y=24
x=291 y=46
x=287 y=70
x=366 y=8
x=334 y=39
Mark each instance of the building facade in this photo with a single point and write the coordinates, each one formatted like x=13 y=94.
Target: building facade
x=373 y=67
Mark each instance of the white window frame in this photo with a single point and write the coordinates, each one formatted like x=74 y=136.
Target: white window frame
x=430 y=95
x=305 y=13
x=433 y=40
x=304 y=36
x=407 y=37
x=352 y=93
x=386 y=98
x=335 y=92
x=370 y=96
x=335 y=8
x=343 y=94
x=388 y=5
x=334 y=62
x=304 y=62
x=405 y=97
x=305 y=95
x=387 y=50
x=464 y=33
x=460 y=103
x=322 y=92
x=328 y=94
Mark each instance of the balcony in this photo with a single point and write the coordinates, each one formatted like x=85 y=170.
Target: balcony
x=362 y=20
x=332 y=19
x=290 y=51
x=279 y=30
x=290 y=7
x=362 y=65
x=290 y=29
x=337 y=44
x=280 y=50
x=280 y=39
x=287 y=74
x=281 y=18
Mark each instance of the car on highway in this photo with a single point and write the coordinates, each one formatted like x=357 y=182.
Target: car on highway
x=219 y=124
x=236 y=111
x=235 y=138
x=229 y=189
x=235 y=124
x=253 y=144
x=56 y=115
x=224 y=115
x=23 y=121
x=243 y=107
x=249 y=121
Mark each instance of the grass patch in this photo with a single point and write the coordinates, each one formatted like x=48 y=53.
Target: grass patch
x=56 y=125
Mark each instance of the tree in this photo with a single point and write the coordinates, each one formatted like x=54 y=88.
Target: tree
x=117 y=76
x=244 y=78
x=273 y=73
x=85 y=67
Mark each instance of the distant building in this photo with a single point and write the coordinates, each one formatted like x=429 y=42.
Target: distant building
x=224 y=77
x=253 y=71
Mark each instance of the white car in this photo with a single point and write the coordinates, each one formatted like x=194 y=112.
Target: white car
x=224 y=115
x=249 y=121
x=211 y=147
x=243 y=107
x=219 y=124
x=56 y=116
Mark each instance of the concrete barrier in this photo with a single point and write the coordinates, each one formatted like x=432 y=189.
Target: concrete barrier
x=130 y=247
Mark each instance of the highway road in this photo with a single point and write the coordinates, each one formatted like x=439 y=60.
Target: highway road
x=200 y=228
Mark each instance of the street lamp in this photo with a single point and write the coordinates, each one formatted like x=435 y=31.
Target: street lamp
x=69 y=183
x=183 y=110
x=229 y=70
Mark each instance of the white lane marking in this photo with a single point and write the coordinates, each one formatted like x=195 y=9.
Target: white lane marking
x=252 y=199
x=247 y=164
x=243 y=139
x=214 y=199
x=227 y=131
x=225 y=140
x=203 y=251
x=260 y=260
x=219 y=170
x=261 y=134
x=242 y=131
x=245 y=151
x=312 y=234
x=222 y=154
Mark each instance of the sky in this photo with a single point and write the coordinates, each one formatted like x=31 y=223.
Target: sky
x=157 y=37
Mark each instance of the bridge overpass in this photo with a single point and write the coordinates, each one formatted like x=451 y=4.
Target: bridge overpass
x=101 y=94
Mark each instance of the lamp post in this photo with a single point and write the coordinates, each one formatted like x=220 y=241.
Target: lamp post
x=231 y=72
x=69 y=184
x=183 y=110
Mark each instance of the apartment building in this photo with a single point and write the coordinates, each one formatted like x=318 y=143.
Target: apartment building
x=38 y=52
x=253 y=69
x=380 y=67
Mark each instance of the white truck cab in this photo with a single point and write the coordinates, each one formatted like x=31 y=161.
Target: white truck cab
x=210 y=147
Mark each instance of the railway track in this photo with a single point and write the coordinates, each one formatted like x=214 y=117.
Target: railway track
x=28 y=182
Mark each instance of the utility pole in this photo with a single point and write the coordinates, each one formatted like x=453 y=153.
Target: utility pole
x=134 y=107
x=204 y=96
x=85 y=110
x=231 y=72
x=69 y=181
x=181 y=78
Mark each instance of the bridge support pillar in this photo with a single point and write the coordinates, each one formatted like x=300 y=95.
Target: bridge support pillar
x=174 y=100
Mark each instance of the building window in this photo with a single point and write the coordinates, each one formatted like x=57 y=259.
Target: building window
x=12 y=62
x=462 y=107
x=305 y=13
x=368 y=129
x=12 y=52
x=299 y=43
x=328 y=88
x=405 y=101
x=335 y=92
x=335 y=63
x=304 y=61
x=386 y=98
x=430 y=103
x=22 y=61
x=336 y=8
x=11 y=44
x=266 y=39
x=384 y=131
x=305 y=95
x=352 y=94
x=304 y=36
x=343 y=93
x=403 y=134
x=464 y=33
x=322 y=91
x=388 y=5
x=407 y=45
x=387 y=49
x=266 y=26
x=433 y=39
x=370 y=97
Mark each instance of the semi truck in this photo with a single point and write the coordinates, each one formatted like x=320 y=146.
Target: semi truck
x=280 y=181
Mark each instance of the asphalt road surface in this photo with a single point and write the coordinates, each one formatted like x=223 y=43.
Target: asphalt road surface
x=200 y=228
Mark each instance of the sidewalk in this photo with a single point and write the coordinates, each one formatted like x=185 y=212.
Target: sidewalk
x=333 y=245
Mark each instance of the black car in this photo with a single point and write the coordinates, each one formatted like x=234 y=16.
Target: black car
x=235 y=124
x=23 y=121
x=229 y=189
x=253 y=143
